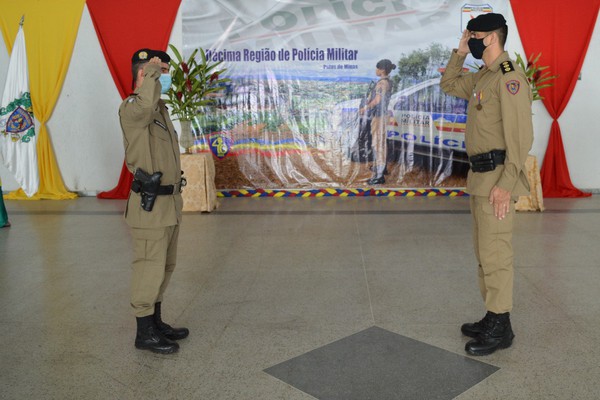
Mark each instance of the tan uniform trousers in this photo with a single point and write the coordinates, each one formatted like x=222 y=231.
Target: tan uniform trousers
x=153 y=265
x=492 y=239
x=379 y=142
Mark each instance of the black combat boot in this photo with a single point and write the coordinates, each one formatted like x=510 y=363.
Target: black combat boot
x=148 y=337
x=166 y=329
x=376 y=180
x=475 y=328
x=497 y=334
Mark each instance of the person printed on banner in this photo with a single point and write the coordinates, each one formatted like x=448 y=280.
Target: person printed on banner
x=376 y=108
x=154 y=207
x=498 y=137
x=4 y=222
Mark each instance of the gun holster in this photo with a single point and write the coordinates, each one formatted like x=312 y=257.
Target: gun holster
x=147 y=186
x=486 y=162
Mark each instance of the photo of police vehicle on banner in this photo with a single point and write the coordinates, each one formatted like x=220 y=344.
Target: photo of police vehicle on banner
x=290 y=114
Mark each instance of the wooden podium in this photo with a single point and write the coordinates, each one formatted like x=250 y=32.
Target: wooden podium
x=200 y=193
x=535 y=201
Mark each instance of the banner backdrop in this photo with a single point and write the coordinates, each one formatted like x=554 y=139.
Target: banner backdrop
x=300 y=72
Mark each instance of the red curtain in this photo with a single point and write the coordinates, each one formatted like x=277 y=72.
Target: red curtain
x=124 y=26
x=561 y=31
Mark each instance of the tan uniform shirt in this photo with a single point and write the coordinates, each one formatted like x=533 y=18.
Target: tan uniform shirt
x=502 y=122
x=384 y=90
x=151 y=144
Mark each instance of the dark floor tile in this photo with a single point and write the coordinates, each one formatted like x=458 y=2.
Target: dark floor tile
x=378 y=364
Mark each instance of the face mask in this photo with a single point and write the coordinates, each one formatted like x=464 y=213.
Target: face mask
x=477 y=47
x=165 y=83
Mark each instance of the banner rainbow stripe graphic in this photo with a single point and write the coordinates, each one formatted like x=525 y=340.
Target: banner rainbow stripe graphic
x=343 y=193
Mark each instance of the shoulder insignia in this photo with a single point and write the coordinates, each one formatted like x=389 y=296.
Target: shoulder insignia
x=506 y=67
x=513 y=86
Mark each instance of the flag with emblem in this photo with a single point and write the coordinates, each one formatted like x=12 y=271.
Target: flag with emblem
x=17 y=128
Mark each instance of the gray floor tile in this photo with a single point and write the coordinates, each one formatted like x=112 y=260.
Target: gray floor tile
x=378 y=364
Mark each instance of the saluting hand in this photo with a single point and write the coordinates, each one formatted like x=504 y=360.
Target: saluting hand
x=463 y=45
x=500 y=199
x=153 y=60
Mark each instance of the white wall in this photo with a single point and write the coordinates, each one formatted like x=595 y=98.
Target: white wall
x=86 y=135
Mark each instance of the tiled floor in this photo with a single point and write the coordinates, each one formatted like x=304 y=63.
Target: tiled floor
x=264 y=281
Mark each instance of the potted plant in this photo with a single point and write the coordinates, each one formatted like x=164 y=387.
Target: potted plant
x=537 y=79
x=192 y=83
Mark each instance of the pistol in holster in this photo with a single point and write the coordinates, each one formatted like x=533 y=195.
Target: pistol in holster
x=147 y=186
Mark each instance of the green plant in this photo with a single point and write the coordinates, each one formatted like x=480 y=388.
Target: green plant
x=537 y=76
x=193 y=82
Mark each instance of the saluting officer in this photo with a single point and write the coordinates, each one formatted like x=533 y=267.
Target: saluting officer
x=154 y=206
x=498 y=138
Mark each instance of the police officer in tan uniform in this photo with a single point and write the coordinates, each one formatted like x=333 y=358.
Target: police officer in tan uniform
x=376 y=108
x=154 y=206
x=498 y=138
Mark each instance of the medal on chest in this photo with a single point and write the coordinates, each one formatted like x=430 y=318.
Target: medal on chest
x=478 y=96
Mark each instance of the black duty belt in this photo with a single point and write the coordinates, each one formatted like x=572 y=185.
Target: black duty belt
x=136 y=186
x=485 y=162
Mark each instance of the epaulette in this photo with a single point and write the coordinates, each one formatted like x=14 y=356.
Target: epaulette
x=506 y=67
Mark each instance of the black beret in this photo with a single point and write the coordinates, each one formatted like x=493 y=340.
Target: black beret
x=486 y=23
x=147 y=54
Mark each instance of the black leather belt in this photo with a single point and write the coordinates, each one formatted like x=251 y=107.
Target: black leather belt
x=136 y=186
x=486 y=162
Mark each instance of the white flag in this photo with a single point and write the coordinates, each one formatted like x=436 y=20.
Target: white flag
x=17 y=128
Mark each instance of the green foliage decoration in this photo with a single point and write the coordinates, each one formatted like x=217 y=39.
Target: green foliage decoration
x=193 y=82
x=538 y=76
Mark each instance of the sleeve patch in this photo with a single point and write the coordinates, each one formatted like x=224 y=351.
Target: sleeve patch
x=513 y=87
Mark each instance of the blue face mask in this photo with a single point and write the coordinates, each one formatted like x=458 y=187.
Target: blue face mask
x=165 y=83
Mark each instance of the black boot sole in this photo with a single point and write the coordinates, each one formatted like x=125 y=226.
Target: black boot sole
x=169 y=350
x=504 y=344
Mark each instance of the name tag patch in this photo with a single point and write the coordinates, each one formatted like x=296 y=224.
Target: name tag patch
x=157 y=122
